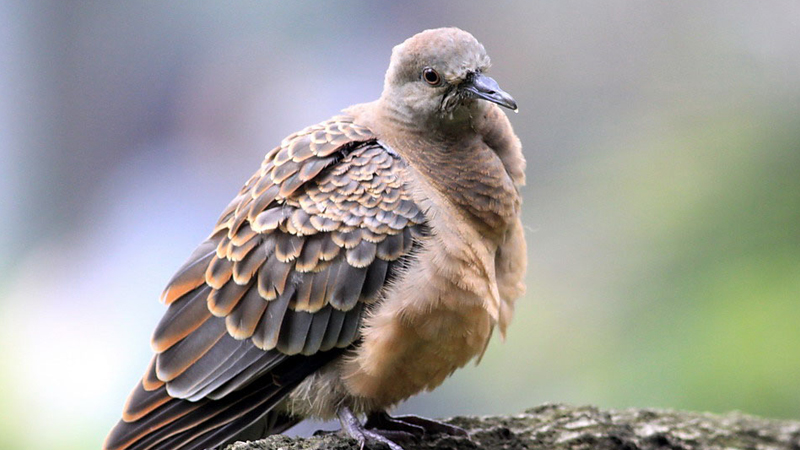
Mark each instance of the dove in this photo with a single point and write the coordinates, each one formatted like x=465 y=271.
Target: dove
x=368 y=258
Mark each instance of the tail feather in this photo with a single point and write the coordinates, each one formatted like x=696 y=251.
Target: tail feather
x=207 y=423
x=249 y=423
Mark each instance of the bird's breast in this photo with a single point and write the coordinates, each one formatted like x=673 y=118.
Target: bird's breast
x=430 y=323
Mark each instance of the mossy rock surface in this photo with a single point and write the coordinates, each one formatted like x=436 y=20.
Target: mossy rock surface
x=582 y=427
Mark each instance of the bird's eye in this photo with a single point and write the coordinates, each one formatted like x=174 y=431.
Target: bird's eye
x=431 y=76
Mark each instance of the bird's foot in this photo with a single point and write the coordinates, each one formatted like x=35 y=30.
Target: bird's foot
x=415 y=425
x=354 y=429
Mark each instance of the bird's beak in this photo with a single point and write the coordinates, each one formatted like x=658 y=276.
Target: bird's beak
x=481 y=86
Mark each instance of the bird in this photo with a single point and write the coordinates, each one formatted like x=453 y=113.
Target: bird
x=369 y=257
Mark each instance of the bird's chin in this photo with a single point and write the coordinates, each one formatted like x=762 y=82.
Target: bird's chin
x=454 y=100
x=462 y=109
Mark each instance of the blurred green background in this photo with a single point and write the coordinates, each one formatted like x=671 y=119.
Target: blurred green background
x=662 y=207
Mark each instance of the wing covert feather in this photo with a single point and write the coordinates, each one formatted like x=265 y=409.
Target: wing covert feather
x=280 y=287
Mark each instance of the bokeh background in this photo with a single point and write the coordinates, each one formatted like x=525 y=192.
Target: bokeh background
x=662 y=207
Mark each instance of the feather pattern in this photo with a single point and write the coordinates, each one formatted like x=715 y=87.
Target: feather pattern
x=278 y=289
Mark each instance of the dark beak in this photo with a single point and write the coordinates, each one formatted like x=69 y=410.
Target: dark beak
x=481 y=86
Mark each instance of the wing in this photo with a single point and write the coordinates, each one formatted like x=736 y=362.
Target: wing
x=276 y=292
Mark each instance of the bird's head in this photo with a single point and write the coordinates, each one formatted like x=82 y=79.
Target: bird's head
x=441 y=73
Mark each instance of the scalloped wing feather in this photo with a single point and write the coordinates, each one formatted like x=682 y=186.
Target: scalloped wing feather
x=289 y=270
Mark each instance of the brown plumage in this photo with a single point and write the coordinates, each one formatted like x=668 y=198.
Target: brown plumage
x=368 y=258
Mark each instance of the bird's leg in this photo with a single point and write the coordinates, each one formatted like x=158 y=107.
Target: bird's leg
x=354 y=429
x=412 y=424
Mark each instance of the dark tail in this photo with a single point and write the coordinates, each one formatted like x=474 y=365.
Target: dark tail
x=166 y=423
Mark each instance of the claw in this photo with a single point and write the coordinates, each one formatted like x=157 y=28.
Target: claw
x=411 y=424
x=382 y=427
x=431 y=426
x=354 y=428
x=383 y=421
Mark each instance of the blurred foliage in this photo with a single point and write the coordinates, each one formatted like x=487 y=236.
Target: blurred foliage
x=714 y=324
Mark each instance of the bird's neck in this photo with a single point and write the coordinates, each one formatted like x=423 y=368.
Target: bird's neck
x=455 y=160
x=439 y=125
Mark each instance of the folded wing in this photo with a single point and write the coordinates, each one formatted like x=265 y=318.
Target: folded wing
x=276 y=292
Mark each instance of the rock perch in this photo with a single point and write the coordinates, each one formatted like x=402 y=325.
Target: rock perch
x=563 y=427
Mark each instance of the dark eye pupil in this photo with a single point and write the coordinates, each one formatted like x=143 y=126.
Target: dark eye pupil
x=430 y=76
